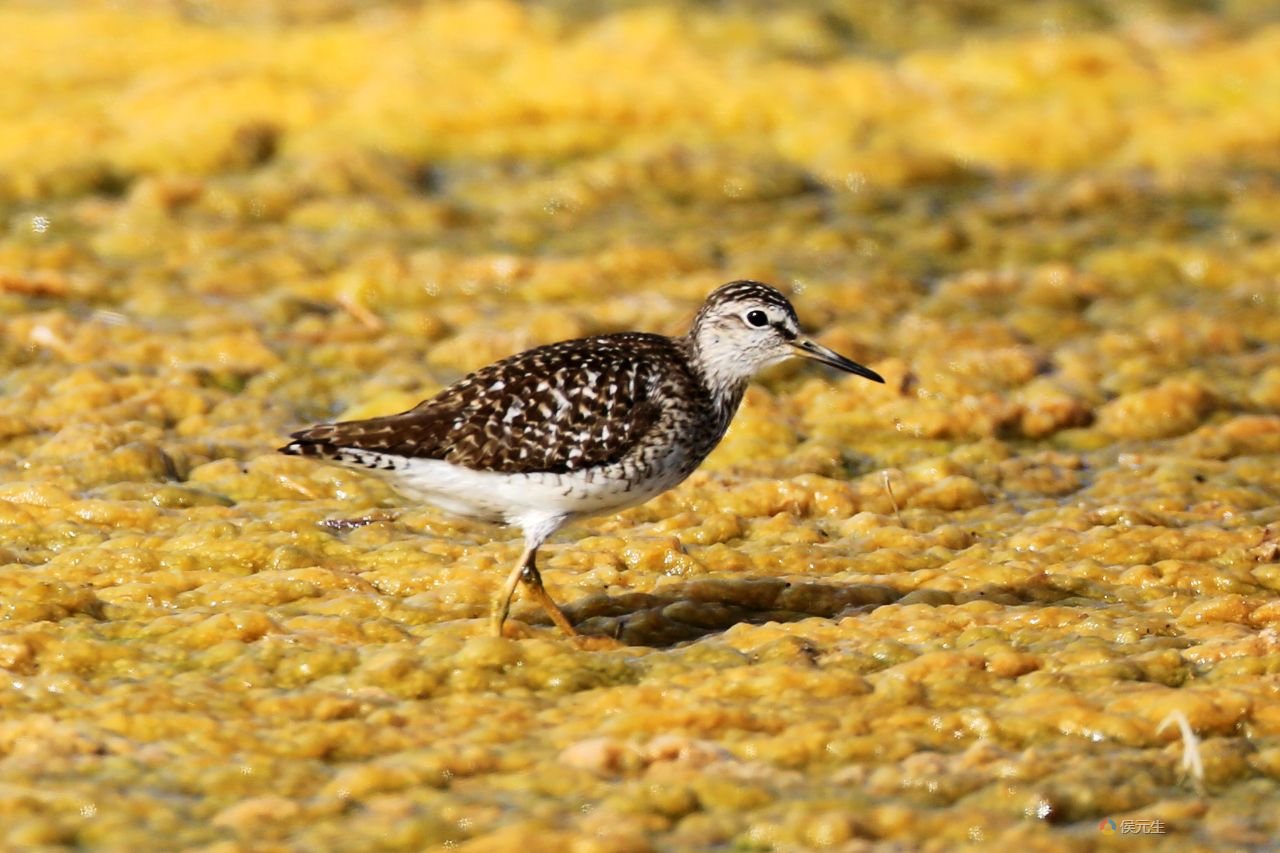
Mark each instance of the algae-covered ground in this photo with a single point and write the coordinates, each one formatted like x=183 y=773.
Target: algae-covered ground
x=953 y=610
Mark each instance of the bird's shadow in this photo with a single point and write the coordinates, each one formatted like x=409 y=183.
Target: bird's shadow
x=682 y=612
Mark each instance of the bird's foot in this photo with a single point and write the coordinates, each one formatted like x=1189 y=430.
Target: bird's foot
x=513 y=629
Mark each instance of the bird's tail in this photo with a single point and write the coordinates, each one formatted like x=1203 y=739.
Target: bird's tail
x=316 y=442
x=361 y=444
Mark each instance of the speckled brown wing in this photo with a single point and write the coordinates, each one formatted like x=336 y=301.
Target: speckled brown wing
x=558 y=408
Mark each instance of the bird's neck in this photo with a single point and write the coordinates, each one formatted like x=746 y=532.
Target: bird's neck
x=721 y=373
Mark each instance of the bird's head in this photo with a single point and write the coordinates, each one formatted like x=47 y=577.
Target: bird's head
x=746 y=326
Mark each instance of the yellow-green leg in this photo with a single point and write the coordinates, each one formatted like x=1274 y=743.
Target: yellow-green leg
x=526 y=570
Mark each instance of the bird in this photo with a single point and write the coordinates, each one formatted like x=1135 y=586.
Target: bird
x=579 y=428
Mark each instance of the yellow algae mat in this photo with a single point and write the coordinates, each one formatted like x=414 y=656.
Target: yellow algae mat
x=977 y=605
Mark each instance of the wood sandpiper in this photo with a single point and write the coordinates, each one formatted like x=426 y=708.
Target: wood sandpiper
x=579 y=428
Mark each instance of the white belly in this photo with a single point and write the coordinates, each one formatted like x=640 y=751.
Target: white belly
x=513 y=498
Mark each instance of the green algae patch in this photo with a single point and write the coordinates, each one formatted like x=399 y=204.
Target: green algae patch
x=967 y=607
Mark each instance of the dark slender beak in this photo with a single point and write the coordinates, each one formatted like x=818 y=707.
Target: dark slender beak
x=808 y=348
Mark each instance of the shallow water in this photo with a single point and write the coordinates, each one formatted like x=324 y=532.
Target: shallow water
x=953 y=609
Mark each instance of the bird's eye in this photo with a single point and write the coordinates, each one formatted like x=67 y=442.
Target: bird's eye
x=757 y=318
